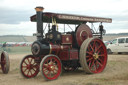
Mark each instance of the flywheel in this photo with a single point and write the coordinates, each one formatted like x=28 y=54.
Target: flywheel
x=82 y=32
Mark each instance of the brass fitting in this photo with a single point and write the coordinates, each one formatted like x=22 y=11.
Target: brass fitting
x=39 y=9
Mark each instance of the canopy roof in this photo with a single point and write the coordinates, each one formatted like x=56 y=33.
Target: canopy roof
x=69 y=18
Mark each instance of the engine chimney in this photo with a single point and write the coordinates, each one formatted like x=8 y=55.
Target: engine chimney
x=39 y=18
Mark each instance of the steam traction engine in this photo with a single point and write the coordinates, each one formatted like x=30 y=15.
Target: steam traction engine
x=69 y=50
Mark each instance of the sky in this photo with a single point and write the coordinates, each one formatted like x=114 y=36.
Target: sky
x=15 y=14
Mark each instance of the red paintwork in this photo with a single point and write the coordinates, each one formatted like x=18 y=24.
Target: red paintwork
x=83 y=32
x=66 y=39
x=64 y=55
x=68 y=54
x=55 y=49
x=73 y=54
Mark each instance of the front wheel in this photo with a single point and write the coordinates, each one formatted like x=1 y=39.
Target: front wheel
x=50 y=67
x=28 y=67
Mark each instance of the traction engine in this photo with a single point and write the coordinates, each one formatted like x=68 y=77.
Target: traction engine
x=54 y=51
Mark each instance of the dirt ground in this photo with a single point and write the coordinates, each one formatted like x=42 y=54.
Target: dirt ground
x=115 y=73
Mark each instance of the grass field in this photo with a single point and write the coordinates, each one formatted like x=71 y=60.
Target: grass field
x=16 y=50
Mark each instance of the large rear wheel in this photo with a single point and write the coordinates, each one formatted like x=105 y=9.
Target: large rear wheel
x=50 y=67
x=93 y=55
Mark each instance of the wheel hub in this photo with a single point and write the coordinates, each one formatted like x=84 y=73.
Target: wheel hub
x=30 y=66
x=95 y=56
x=51 y=68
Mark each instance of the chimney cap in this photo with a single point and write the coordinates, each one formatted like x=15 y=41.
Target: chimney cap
x=39 y=8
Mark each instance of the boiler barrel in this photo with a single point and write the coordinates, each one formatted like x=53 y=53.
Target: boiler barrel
x=40 y=48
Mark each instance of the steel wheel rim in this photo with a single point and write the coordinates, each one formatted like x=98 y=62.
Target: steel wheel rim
x=96 y=56
x=51 y=68
x=28 y=67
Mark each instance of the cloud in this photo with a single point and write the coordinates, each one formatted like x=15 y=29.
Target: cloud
x=12 y=16
x=15 y=14
x=23 y=28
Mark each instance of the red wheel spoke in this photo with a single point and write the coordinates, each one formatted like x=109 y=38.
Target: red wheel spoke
x=25 y=62
x=87 y=56
x=89 y=63
x=35 y=66
x=51 y=63
x=102 y=55
x=92 y=63
x=45 y=65
x=31 y=60
x=99 y=63
x=30 y=72
x=28 y=60
x=94 y=44
x=98 y=51
x=48 y=72
x=98 y=48
x=99 y=59
x=94 y=67
x=95 y=47
x=24 y=66
x=54 y=61
x=45 y=69
x=51 y=60
x=53 y=72
x=46 y=62
x=25 y=69
x=56 y=69
x=89 y=53
x=91 y=47
x=33 y=69
x=89 y=59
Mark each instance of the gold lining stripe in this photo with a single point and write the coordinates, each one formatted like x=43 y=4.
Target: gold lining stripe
x=66 y=43
x=50 y=49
